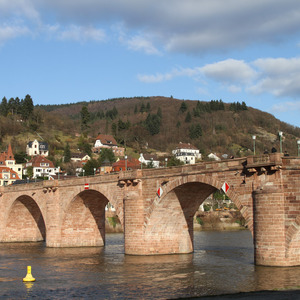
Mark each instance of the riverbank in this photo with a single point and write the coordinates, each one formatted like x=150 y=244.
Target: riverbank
x=209 y=220
x=219 y=220
x=258 y=295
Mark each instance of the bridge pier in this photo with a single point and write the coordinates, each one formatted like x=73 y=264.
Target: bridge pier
x=134 y=223
x=269 y=226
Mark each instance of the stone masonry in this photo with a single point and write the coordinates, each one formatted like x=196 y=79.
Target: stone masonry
x=63 y=213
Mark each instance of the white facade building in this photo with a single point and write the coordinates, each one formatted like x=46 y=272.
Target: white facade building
x=41 y=167
x=148 y=159
x=37 y=148
x=187 y=153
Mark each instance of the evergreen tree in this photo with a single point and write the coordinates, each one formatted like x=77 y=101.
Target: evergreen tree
x=135 y=109
x=67 y=153
x=195 y=131
x=159 y=113
x=85 y=118
x=27 y=107
x=188 y=117
x=152 y=124
x=143 y=108
x=4 y=107
x=148 y=107
x=106 y=154
x=183 y=107
x=173 y=161
x=90 y=166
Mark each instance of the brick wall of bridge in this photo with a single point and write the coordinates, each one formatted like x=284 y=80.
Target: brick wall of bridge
x=265 y=189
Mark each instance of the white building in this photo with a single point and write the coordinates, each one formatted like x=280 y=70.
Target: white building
x=41 y=167
x=149 y=159
x=7 y=159
x=107 y=141
x=37 y=148
x=77 y=157
x=213 y=156
x=187 y=153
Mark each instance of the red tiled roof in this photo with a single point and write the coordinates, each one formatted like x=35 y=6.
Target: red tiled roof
x=6 y=155
x=106 y=139
x=37 y=160
x=10 y=171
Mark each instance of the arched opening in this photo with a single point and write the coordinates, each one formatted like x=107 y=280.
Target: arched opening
x=84 y=220
x=170 y=227
x=25 y=222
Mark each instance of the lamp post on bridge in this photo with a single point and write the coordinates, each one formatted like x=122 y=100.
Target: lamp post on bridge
x=280 y=133
x=298 y=144
x=254 y=138
x=125 y=162
x=166 y=160
x=95 y=171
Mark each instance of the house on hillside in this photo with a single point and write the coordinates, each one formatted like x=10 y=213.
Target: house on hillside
x=107 y=141
x=41 y=167
x=35 y=148
x=149 y=159
x=123 y=164
x=8 y=176
x=213 y=156
x=7 y=159
x=187 y=153
x=76 y=157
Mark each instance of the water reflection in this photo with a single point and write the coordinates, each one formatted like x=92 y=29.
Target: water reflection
x=222 y=263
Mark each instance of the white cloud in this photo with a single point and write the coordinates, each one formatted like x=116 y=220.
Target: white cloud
x=234 y=89
x=159 y=77
x=139 y=43
x=10 y=32
x=229 y=71
x=18 y=9
x=286 y=106
x=80 y=34
x=190 y=26
x=278 y=76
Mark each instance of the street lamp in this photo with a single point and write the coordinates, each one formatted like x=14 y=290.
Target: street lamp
x=298 y=143
x=125 y=162
x=280 y=133
x=95 y=171
x=166 y=160
x=83 y=172
x=254 y=138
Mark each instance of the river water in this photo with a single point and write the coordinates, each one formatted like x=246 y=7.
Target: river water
x=222 y=262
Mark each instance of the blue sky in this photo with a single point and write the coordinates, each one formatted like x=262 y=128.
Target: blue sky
x=62 y=51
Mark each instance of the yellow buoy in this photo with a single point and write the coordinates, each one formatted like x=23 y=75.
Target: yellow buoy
x=28 y=276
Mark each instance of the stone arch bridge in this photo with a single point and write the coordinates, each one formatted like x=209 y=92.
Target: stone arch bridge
x=64 y=213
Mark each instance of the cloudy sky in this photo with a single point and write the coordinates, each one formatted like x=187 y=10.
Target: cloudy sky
x=65 y=51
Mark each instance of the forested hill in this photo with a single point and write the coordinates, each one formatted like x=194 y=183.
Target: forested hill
x=154 y=124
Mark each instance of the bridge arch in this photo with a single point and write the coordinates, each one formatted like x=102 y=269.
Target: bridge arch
x=83 y=223
x=169 y=223
x=25 y=221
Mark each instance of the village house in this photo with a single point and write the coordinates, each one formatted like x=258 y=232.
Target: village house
x=105 y=168
x=148 y=159
x=213 y=156
x=187 y=153
x=37 y=148
x=123 y=164
x=8 y=176
x=41 y=167
x=7 y=159
x=107 y=141
x=77 y=157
